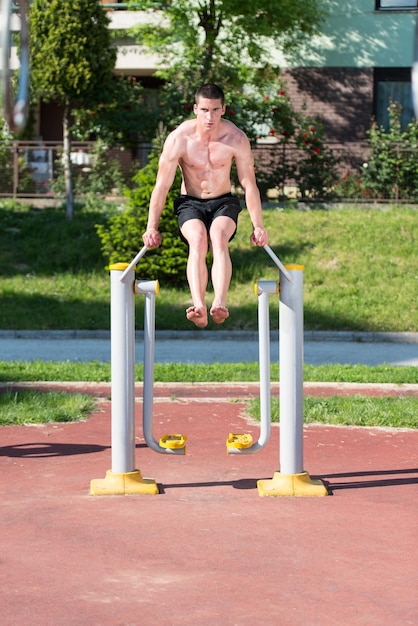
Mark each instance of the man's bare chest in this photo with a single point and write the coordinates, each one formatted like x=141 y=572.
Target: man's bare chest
x=214 y=155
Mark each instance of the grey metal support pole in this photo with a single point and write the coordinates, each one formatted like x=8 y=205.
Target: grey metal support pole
x=174 y=444
x=291 y=373
x=292 y=479
x=241 y=443
x=149 y=345
x=264 y=359
x=122 y=333
x=123 y=478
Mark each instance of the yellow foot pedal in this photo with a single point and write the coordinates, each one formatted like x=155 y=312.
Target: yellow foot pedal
x=173 y=442
x=239 y=440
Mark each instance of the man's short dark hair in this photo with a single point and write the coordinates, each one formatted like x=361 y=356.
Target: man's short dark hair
x=211 y=92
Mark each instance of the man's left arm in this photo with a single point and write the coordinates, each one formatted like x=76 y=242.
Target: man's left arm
x=246 y=175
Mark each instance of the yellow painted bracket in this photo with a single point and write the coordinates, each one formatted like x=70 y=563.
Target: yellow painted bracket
x=291 y=485
x=173 y=442
x=239 y=440
x=129 y=483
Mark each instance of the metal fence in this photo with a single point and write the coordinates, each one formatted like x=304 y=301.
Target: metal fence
x=280 y=163
x=34 y=169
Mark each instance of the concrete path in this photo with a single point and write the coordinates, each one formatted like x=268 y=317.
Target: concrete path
x=212 y=347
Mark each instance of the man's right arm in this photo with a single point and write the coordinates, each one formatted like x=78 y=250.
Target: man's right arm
x=166 y=173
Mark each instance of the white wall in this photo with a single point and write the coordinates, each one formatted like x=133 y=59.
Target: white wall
x=355 y=35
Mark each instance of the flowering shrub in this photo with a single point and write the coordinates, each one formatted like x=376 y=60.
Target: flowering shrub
x=316 y=171
x=271 y=115
x=262 y=114
x=350 y=185
x=392 y=170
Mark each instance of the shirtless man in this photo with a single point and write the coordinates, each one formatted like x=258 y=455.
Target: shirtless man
x=204 y=149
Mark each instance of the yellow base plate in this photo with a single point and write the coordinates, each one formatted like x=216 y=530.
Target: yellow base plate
x=129 y=483
x=291 y=485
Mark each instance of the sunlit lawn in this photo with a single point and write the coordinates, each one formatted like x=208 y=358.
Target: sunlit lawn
x=361 y=271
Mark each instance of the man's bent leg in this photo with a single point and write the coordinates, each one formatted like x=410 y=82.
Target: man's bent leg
x=195 y=233
x=221 y=231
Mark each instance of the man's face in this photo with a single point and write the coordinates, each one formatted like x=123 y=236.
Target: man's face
x=208 y=113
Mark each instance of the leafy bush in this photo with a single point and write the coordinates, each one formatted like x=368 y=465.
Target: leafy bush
x=121 y=238
x=392 y=170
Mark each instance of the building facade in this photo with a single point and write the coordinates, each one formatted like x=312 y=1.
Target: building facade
x=360 y=64
x=345 y=78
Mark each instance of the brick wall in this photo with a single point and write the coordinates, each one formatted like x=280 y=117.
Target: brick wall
x=341 y=98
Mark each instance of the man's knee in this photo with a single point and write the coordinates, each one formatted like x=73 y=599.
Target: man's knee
x=222 y=231
x=195 y=233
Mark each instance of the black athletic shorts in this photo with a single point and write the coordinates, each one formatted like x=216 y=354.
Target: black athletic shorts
x=188 y=208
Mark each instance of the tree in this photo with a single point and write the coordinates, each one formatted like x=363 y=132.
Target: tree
x=201 y=40
x=72 y=60
x=123 y=116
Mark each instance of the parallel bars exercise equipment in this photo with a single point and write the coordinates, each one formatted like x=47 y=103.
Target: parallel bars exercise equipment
x=123 y=478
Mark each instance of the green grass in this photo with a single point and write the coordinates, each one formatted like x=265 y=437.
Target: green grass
x=18 y=371
x=39 y=407
x=29 y=407
x=361 y=270
x=34 y=407
x=357 y=410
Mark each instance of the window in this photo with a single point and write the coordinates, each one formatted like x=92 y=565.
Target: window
x=392 y=85
x=396 y=5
